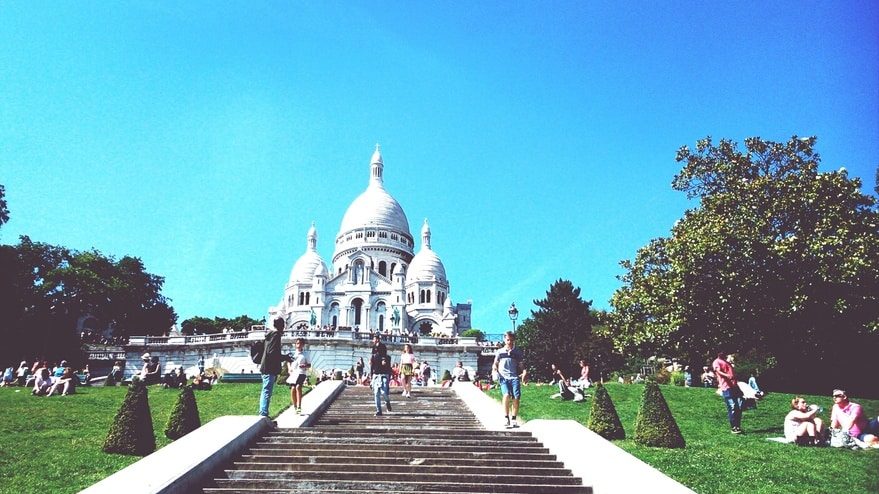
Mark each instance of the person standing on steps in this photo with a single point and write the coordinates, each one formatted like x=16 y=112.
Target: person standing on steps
x=297 y=374
x=729 y=389
x=407 y=369
x=380 y=369
x=510 y=368
x=270 y=364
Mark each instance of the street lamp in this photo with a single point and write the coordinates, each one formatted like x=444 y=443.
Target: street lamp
x=514 y=314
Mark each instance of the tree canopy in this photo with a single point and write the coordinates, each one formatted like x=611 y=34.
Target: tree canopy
x=559 y=332
x=204 y=325
x=4 y=210
x=778 y=259
x=46 y=289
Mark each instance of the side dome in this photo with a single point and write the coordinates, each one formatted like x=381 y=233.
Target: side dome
x=375 y=207
x=426 y=265
x=309 y=263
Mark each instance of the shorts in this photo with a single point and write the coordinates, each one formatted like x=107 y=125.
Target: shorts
x=297 y=380
x=510 y=387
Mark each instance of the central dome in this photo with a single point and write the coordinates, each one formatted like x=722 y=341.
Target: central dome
x=375 y=208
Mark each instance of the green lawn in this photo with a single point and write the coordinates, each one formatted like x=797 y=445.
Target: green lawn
x=716 y=461
x=54 y=444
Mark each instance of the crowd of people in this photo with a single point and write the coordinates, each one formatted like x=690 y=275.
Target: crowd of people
x=45 y=378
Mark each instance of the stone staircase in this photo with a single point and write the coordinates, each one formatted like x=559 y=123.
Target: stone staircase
x=429 y=443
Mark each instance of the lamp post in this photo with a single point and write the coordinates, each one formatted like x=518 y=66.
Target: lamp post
x=514 y=314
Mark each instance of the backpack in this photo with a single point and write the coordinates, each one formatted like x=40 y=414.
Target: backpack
x=256 y=351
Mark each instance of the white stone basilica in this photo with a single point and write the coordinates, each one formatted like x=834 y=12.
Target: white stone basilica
x=377 y=282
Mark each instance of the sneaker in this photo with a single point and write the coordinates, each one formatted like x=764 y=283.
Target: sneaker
x=513 y=424
x=736 y=430
x=389 y=406
x=299 y=411
x=507 y=423
x=378 y=414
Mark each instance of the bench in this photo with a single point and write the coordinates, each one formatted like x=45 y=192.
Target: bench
x=237 y=377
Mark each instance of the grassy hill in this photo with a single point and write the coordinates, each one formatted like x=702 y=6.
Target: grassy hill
x=716 y=461
x=54 y=444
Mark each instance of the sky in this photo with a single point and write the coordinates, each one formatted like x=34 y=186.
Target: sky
x=538 y=138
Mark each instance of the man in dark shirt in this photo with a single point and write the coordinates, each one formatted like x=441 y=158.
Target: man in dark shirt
x=270 y=365
x=380 y=368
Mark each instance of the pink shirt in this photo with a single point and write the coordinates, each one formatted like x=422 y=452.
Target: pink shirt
x=849 y=411
x=723 y=366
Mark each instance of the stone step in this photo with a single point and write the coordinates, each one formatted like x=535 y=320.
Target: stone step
x=396 y=455
x=558 y=477
x=378 y=484
x=415 y=466
x=421 y=490
x=342 y=431
x=493 y=461
x=374 y=448
x=401 y=441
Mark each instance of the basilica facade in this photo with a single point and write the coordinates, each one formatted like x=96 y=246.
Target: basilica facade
x=377 y=282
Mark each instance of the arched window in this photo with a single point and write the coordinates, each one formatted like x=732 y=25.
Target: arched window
x=301 y=298
x=421 y=297
x=381 y=322
x=358 y=304
x=307 y=298
x=382 y=268
x=393 y=268
x=428 y=296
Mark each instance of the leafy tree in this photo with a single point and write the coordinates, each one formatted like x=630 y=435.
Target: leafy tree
x=603 y=417
x=46 y=289
x=777 y=259
x=470 y=333
x=655 y=426
x=4 y=210
x=204 y=325
x=560 y=332
x=131 y=432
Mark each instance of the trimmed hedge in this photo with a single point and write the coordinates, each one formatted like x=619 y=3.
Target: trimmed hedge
x=184 y=417
x=655 y=425
x=603 y=417
x=131 y=432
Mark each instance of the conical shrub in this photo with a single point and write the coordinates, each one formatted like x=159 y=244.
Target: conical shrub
x=184 y=416
x=131 y=432
x=603 y=417
x=655 y=425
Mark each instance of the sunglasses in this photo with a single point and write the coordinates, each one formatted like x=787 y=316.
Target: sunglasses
x=839 y=396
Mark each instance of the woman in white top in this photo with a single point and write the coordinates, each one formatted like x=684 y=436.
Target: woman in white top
x=407 y=366
x=801 y=424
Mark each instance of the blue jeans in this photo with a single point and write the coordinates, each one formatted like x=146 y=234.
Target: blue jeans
x=265 y=397
x=380 y=384
x=733 y=408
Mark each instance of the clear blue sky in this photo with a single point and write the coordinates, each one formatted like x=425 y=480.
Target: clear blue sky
x=538 y=138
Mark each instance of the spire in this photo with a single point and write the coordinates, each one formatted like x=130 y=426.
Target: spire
x=312 y=238
x=376 y=166
x=425 y=235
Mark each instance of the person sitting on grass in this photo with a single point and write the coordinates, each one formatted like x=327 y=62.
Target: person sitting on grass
x=8 y=376
x=849 y=416
x=42 y=381
x=802 y=425
x=66 y=382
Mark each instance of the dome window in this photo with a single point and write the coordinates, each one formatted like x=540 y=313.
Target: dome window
x=383 y=268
